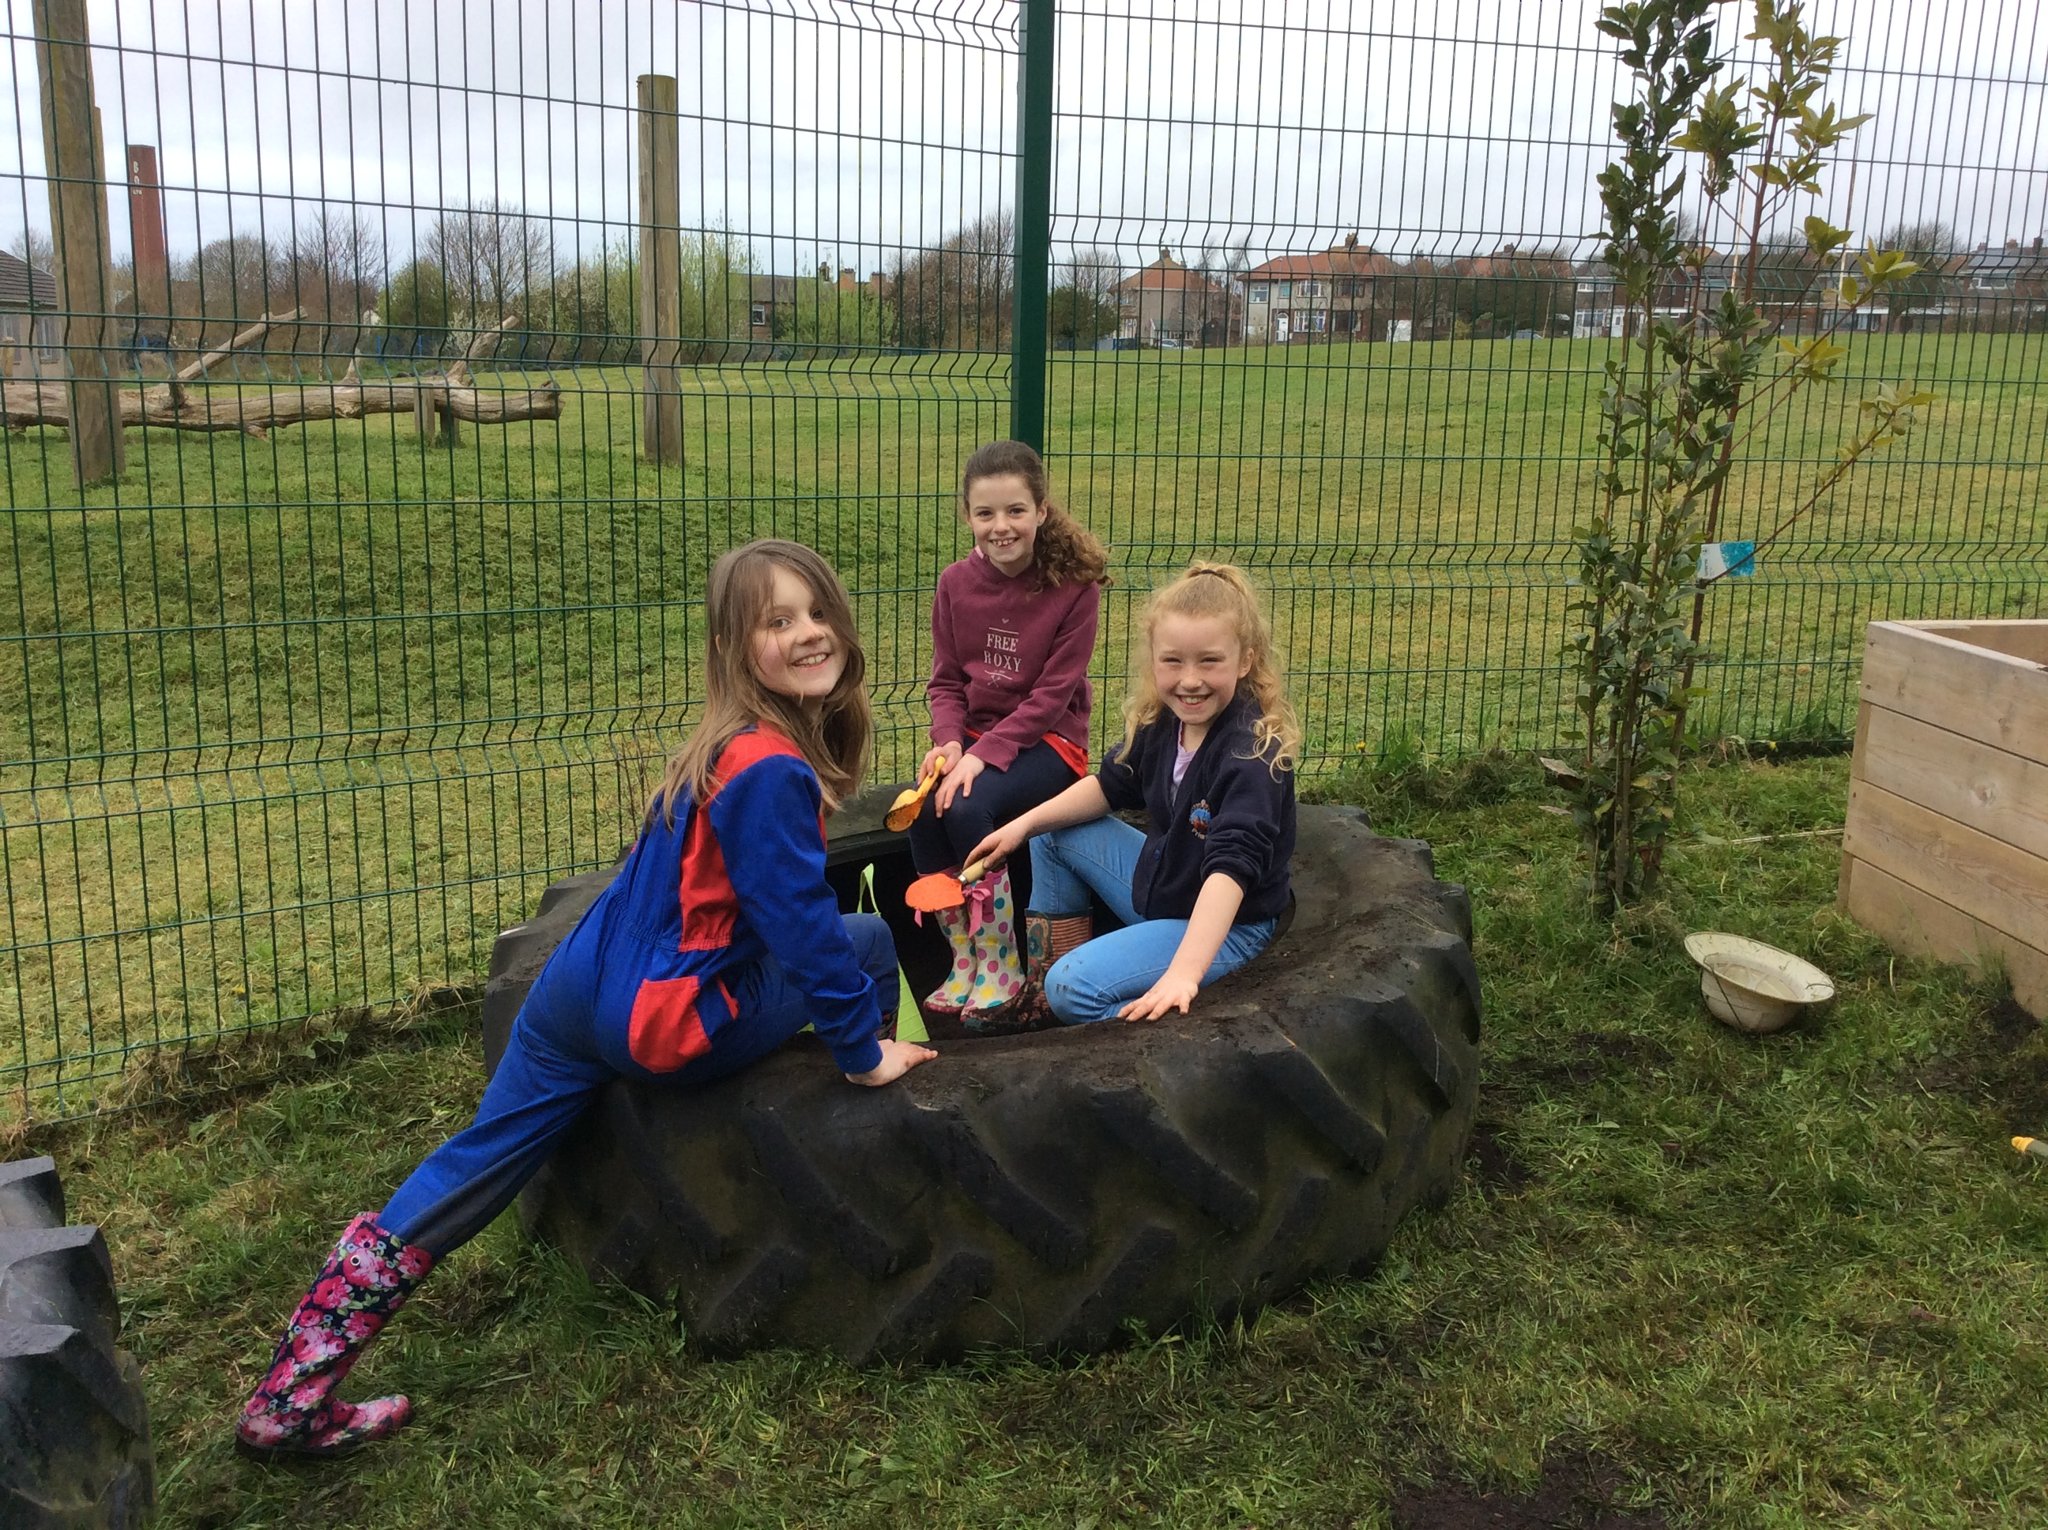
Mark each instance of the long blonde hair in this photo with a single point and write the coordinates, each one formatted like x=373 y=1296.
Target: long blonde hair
x=1221 y=591
x=834 y=738
x=1065 y=551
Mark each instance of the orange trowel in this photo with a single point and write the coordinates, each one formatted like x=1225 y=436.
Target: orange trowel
x=903 y=811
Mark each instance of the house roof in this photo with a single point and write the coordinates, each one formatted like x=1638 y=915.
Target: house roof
x=2015 y=261
x=1339 y=260
x=22 y=286
x=1167 y=275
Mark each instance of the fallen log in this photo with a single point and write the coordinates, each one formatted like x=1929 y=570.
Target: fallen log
x=256 y=412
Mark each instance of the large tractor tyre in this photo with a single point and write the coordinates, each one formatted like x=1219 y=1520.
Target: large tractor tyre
x=74 y=1428
x=1044 y=1190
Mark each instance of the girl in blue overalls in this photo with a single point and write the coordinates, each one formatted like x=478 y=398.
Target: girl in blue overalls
x=717 y=941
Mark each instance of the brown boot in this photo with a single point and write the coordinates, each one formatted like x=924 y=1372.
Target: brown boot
x=1047 y=938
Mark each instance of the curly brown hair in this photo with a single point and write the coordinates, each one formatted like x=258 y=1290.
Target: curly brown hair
x=1066 y=552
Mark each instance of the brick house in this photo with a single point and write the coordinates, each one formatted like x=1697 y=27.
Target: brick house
x=1325 y=296
x=29 y=341
x=2003 y=289
x=1166 y=303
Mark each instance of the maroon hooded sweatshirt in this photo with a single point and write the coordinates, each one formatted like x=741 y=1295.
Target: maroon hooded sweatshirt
x=1010 y=660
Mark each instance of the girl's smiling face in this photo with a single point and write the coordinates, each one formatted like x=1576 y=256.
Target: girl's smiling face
x=1005 y=520
x=795 y=651
x=1196 y=664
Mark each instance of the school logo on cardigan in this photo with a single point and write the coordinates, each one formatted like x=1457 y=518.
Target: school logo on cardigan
x=1198 y=819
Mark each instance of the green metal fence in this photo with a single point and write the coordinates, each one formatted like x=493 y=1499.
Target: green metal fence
x=301 y=713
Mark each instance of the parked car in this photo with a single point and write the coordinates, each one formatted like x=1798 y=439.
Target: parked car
x=1169 y=343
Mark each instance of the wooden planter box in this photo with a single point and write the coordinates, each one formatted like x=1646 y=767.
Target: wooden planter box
x=1946 y=850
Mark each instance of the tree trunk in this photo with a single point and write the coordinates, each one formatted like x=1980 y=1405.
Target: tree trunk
x=255 y=411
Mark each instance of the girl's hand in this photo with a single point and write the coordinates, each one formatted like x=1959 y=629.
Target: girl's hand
x=997 y=847
x=1170 y=992
x=959 y=780
x=898 y=1058
x=942 y=757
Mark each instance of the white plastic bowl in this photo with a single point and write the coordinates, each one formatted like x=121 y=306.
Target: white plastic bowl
x=1752 y=986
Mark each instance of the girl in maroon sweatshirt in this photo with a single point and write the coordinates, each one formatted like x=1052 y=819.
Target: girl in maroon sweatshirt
x=1013 y=629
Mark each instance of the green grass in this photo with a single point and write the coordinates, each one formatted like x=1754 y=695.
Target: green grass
x=1737 y=1281
x=303 y=721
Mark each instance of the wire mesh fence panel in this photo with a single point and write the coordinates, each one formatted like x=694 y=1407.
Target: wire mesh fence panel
x=453 y=342
x=1350 y=324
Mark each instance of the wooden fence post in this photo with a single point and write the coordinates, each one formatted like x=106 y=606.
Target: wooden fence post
x=661 y=261
x=76 y=162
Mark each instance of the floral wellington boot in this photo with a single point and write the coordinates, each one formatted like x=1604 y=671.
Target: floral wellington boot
x=365 y=1280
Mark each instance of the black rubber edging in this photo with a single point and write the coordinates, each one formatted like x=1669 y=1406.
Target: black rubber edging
x=74 y=1426
x=1044 y=1191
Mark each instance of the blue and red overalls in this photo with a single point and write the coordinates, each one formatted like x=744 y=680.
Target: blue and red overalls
x=690 y=965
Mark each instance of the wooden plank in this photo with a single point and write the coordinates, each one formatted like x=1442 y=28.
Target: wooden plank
x=661 y=271
x=73 y=156
x=1993 y=882
x=1994 y=792
x=1918 y=924
x=1991 y=697
x=2021 y=640
x=1856 y=758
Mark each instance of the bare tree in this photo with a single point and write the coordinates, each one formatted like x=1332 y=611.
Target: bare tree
x=1093 y=272
x=332 y=270
x=958 y=294
x=234 y=277
x=491 y=256
x=34 y=247
x=1933 y=246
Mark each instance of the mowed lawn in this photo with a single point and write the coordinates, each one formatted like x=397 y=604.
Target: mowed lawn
x=303 y=721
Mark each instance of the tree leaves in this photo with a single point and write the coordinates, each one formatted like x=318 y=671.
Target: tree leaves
x=1684 y=379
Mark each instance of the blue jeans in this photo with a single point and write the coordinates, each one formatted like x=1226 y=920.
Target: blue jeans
x=1098 y=979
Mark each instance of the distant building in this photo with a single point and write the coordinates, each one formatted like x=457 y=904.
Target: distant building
x=30 y=345
x=1326 y=296
x=1168 y=304
x=2005 y=289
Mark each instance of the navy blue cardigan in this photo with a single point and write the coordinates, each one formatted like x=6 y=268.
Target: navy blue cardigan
x=1231 y=814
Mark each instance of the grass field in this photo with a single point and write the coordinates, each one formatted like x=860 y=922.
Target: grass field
x=1692 y=1279
x=304 y=720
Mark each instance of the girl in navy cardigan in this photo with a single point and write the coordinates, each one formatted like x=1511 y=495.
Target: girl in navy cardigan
x=717 y=941
x=1208 y=752
x=1013 y=629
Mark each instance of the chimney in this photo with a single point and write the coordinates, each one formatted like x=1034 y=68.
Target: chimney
x=146 y=230
x=1351 y=240
x=875 y=283
x=1165 y=253
x=846 y=278
x=2012 y=244
x=1508 y=250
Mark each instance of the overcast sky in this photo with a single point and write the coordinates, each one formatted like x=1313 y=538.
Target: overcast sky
x=850 y=132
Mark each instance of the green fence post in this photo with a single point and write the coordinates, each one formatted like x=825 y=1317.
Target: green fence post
x=1033 y=239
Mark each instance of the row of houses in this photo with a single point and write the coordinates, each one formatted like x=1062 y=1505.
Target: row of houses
x=1352 y=292
x=1347 y=292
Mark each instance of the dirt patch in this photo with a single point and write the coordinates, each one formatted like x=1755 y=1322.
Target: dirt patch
x=1493 y=1162
x=1585 y=1058
x=2001 y=1062
x=1577 y=1492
